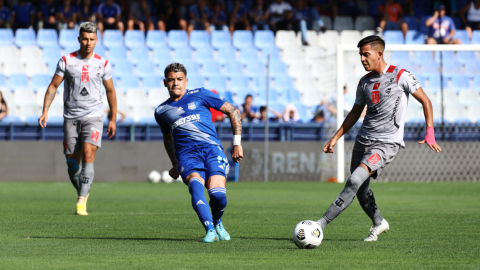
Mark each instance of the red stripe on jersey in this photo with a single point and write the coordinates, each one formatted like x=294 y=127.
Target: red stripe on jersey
x=64 y=60
x=106 y=63
x=400 y=74
x=96 y=56
x=74 y=54
x=391 y=69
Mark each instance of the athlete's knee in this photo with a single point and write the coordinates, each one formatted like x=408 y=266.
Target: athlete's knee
x=89 y=155
x=194 y=177
x=216 y=181
x=357 y=178
x=72 y=164
x=218 y=198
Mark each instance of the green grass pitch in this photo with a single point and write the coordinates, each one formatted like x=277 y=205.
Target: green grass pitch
x=152 y=226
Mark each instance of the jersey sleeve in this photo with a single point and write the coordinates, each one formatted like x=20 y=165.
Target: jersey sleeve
x=212 y=100
x=408 y=83
x=60 y=68
x=360 y=96
x=108 y=71
x=163 y=126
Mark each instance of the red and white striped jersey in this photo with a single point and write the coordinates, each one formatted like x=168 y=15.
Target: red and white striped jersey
x=386 y=96
x=82 y=95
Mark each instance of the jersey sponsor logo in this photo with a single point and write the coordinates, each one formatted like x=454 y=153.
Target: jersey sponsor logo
x=397 y=102
x=85 y=74
x=192 y=92
x=390 y=82
x=374 y=159
x=375 y=97
x=339 y=202
x=388 y=91
x=160 y=108
x=84 y=92
x=85 y=180
x=192 y=106
x=184 y=120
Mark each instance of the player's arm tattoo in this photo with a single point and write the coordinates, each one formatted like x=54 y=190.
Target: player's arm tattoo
x=235 y=117
x=169 y=146
x=51 y=91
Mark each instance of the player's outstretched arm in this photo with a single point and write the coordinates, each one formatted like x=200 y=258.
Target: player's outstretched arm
x=49 y=96
x=428 y=111
x=348 y=123
x=112 y=103
x=170 y=148
x=236 y=122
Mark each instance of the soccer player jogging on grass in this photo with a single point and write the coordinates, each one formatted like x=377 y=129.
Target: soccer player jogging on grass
x=84 y=72
x=385 y=91
x=194 y=148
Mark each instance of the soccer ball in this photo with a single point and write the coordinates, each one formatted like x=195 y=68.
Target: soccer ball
x=154 y=176
x=179 y=179
x=166 y=178
x=307 y=234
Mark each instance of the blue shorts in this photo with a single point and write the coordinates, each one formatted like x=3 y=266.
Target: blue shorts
x=206 y=161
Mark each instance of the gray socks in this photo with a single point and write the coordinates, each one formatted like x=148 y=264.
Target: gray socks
x=86 y=179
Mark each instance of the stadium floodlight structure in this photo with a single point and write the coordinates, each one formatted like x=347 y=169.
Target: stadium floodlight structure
x=342 y=48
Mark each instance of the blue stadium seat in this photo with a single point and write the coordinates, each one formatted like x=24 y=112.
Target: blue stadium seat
x=422 y=57
x=195 y=81
x=221 y=39
x=227 y=95
x=233 y=68
x=248 y=54
x=112 y=39
x=150 y=82
x=472 y=68
x=274 y=53
x=117 y=54
x=134 y=38
x=264 y=39
x=217 y=82
x=183 y=54
x=129 y=81
x=145 y=69
x=273 y=96
x=434 y=82
x=204 y=54
x=394 y=37
x=226 y=54
x=277 y=68
x=193 y=68
x=476 y=83
x=238 y=83
x=452 y=68
x=177 y=38
x=18 y=80
x=284 y=83
x=303 y=112
x=100 y=50
x=161 y=55
x=414 y=37
x=25 y=37
x=447 y=57
x=430 y=68
x=255 y=69
x=398 y=57
x=51 y=54
x=462 y=35
x=476 y=37
x=242 y=38
x=199 y=39
x=466 y=56
x=3 y=80
x=260 y=83
x=52 y=67
x=139 y=54
x=40 y=82
x=211 y=68
x=293 y=95
x=6 y=37
x=71 y=49
x=11 y=119
x=47 y=37
x=411 y=22
x=122 y=68
x=459 y=82
x=156 y=39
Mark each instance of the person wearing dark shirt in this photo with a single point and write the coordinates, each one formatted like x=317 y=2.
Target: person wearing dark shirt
x=23 y=15
x=391 y=14
x=248 y=111
x=5 y=15
x=281 y=15
x=259 y=16
x=67 y=14
x=264 y=115
x=109 y=16
x=169 y=16
x=47 y=14
x=239 y=16
x=319 y=117
x=199 y=16
x=87 y=11
x=441 y=28
x=139 y=16
x=304 y=17
x=217 y=18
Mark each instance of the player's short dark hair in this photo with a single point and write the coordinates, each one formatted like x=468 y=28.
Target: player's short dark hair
x=175 y=67
x=263 y=108
x=88 y=27
x=373 y=40
x=247 y=96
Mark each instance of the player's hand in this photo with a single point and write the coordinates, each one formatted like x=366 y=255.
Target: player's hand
x=174 y=172
x=328 y=148
x=112 y=127
x=42 y=121
x=237 y=153
x=433 y=146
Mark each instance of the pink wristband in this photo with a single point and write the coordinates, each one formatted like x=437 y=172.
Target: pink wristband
x=430 y=137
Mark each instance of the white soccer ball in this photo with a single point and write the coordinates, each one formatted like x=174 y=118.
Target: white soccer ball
x=307 y=234
x=179 y=179
x=166 y=178
x=154 y=176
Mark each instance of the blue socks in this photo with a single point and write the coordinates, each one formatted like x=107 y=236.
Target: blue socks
x=218 y=202
x=199 y=203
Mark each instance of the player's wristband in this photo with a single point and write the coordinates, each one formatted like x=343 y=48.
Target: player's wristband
x=430 y=137
x=237 y=139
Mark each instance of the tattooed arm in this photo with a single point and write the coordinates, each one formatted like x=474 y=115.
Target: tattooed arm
x=235 y=121
x=49 y=96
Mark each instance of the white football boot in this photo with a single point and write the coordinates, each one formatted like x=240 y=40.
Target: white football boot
x=375 y=231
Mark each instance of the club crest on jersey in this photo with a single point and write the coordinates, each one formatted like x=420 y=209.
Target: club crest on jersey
x=192 y=106
x=95 y=134
x=374 y=159
x=375 y=97
x=85 y=74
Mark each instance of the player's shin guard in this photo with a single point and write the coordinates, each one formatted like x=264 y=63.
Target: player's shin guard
x=86 y=179
x=218 y=202
x=346 y=197
x=199 y=203
x=74 y=173
x=367 y=201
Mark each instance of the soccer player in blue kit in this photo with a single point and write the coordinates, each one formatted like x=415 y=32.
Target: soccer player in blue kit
x=194 y=149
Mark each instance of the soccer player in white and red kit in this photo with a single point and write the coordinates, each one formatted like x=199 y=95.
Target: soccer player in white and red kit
x=84 y=72
x=385 y=91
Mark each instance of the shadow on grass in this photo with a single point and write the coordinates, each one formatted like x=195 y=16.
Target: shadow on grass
x=117 y=238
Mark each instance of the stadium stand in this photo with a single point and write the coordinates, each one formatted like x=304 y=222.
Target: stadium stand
x=25 y=37
x=156 y=39
x=47 y=38
x=134 y=39
x=6 y=37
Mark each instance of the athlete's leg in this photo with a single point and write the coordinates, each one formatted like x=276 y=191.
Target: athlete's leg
x=199 y=203
x=367 y=201
x=73 y=163
x=87 y=174
x=218 y=196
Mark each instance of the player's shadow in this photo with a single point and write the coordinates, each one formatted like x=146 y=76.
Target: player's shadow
x=117 y=238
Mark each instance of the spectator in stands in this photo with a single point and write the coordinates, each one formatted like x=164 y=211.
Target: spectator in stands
x=441 y=28
x=109 y=16
x=88 y=11
x=290 y=114
x=169 y=16
x=247 y=110
x=140 y=16
x=304 y=17
x=47 y=15
x=23 y=15
x=5 y=15
x=120 y=115
x=472 y=18
x=3 y=107
x=391 y=14
x=239 y=16
x=349 y=8
x=199 y=16
x=281 y=15
x=259 y=16
x=326 y=7
x=216 y=115
x=264 y=115
x=67 y=14
x=319 y=117
x=218 y=17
